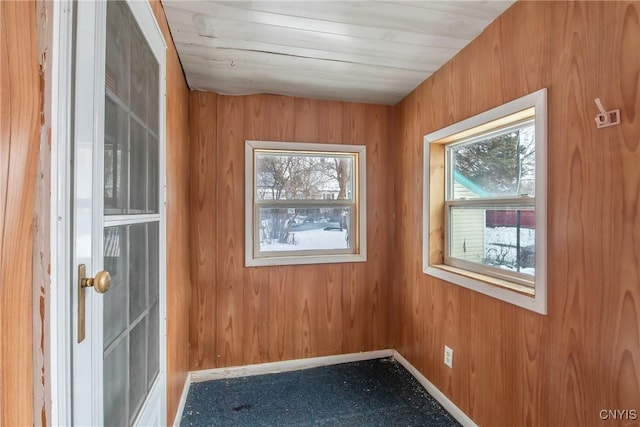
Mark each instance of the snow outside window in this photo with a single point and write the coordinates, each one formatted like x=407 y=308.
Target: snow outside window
x=305 y=203
x=485 y=187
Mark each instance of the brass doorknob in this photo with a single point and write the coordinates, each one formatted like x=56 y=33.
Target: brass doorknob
x=100 y=283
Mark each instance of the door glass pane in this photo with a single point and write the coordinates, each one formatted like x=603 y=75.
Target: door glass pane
x=131 y=118
x=116 y=247
x=139 y=100
x=153 y=345
x=131 y=256
x=116 y=157
x=131 y=248
x=153 y=180
x=115 y=385
x=153 y=79
x=118 y=50
x=138 y=369
x=138 y=271
x=153 y=262
x=138 y=188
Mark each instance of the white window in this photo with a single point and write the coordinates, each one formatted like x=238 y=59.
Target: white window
x=485 y=202
x=305 y=203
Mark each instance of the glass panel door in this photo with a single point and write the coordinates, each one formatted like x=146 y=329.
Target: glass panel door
x=131 y=218
x=118 y=354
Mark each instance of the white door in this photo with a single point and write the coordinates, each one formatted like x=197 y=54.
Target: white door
x=118 y=355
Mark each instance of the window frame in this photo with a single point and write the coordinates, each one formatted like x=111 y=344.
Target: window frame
x=489 y=202
x=511 y=288
x=358 y=253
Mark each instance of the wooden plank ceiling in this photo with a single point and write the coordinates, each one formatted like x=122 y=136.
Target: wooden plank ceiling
x=360 y=51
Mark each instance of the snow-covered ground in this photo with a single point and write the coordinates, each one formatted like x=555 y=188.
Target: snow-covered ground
x=500 y=242
x=315 y=239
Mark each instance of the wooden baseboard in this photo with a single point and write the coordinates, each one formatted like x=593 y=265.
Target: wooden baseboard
x=183 y=401
x=443 y=400
x=285 y=366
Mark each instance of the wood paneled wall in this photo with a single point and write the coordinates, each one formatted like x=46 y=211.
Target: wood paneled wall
x=19 y=145
x=253 y=315
x=178 y=251
x=513 y=367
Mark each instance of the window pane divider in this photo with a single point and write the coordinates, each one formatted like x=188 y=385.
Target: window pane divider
x=303 y=203
x=305 y=252
x=492 y=203
x=115 y=220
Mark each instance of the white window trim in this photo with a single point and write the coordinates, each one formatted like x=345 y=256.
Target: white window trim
x=501 y=290
x=296 y=258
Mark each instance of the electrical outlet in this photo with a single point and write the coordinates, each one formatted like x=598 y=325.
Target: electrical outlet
x=448 y=356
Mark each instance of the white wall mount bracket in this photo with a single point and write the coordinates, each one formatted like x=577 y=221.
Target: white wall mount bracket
x=606 y=118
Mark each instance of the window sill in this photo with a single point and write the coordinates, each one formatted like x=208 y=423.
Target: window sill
x=493 y=281
x=509 y=292
x=304 y=260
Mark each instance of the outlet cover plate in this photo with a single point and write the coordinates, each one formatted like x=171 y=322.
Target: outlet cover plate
x=448 y=356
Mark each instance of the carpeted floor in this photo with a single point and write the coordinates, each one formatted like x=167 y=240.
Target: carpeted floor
x=369 y=394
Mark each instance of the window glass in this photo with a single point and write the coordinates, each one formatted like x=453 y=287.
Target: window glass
x=289 y=176
x=494 y=237
x=303 y=229
x=304 y=203
x=501 y=164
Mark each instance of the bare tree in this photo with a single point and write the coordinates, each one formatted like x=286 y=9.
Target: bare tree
x=298 y=177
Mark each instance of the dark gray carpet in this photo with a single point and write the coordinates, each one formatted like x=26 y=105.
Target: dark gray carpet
x=371 y=393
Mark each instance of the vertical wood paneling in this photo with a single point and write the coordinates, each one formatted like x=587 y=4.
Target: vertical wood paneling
x=178 y=203
x=279 y=338
x=203 y=108
x=320 y=298
x=356 y=313
x=19 y=146
x=379 y=221
x=365 y=291
x=268 y=118
x=584 y=356
x=267 y=314
x=230 y=245
x=599 y=256
x=576 y=332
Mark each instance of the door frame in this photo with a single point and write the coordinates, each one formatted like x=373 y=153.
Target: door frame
x=61 y=334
